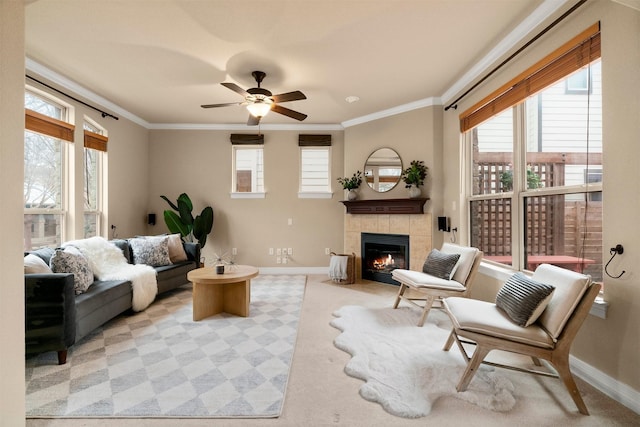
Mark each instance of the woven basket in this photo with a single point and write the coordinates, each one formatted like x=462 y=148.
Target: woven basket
x=351 y=268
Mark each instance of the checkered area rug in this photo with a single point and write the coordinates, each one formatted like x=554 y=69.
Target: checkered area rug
x=160 y=363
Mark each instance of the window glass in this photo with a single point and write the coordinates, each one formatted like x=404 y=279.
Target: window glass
x=92 y=184
x=248 y=171
x=547 y=207
x=492 y=155
x=314 y=169
x=564 y=230
x=43 y=194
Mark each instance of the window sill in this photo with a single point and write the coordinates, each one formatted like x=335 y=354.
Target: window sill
x=315 y=195
x=502 y=273
x=248 y=195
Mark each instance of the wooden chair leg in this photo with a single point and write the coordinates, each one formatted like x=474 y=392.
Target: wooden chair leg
x=450 y=340
x=562 y=367
x=401 y=291
x=478 y=356
x=428 y=301
x=62 y=357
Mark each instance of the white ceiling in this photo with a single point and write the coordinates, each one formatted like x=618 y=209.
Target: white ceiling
x=157 y=61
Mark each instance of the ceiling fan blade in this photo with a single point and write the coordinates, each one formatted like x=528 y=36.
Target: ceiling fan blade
x=287 y=112
x=289 y=96
x=220 y=105
x=253 y=120
x=234 y=87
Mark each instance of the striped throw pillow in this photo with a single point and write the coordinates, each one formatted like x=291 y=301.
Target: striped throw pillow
x=523 y=299
x=440 y=264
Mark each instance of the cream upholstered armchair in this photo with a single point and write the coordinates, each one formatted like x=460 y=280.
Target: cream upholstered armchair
x=537 y=317
x=449 y=271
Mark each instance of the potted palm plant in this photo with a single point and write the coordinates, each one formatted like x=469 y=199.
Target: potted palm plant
x=352 y=184
x=414 y=176
x=181 y=220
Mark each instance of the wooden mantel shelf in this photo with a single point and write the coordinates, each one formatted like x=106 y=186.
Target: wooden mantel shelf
x=386 y=206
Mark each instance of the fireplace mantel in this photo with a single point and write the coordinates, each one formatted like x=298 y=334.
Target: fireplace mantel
x=386 y=206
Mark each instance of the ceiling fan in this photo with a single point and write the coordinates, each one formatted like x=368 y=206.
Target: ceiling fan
x=260 y=101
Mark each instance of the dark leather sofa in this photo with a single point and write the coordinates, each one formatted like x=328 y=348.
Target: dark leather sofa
x=56 y=318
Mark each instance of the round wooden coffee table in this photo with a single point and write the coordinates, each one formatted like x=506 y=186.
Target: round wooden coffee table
x=229 y=292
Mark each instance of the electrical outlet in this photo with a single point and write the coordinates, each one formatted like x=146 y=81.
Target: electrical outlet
x=327 y=251
x=270 y=251
x=290 y=221
x=285 y=260
x=278 y=251
x=278 y=260
x=234 y=251
x=289 y=251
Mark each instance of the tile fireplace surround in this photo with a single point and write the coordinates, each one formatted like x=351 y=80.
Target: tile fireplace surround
x=417 y=226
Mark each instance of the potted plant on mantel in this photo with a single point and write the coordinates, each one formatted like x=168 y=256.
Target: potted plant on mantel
x=352 y=184
x=414 y=177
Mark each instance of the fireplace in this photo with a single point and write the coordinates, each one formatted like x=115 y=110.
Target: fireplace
x=383 y=253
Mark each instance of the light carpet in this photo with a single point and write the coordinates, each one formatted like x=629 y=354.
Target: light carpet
x=404 y=367
x=160 y=363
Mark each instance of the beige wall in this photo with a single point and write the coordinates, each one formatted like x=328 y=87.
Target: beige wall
x=11 y=176
x=414 y=135
x=610 y=345
x=199 y=163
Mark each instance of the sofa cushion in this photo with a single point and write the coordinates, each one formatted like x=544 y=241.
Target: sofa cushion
x=465 y=313
x=33 y=264
x=418 y=279
x=523 y=299
x=465 y=263
x=440 y=264
x=152 y=250
x=70 y=260
x=176 y=249
x=123 y=245
x=44 y=253
x=570 y=286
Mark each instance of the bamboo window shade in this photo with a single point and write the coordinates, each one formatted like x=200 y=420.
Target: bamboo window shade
x=95 y=141
x=568 y=58
x=49 y=126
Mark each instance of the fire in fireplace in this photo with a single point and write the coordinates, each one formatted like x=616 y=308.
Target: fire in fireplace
x=383 y=253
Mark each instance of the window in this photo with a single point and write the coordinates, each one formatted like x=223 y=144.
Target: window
x=45 y=157
x=314 y=170
x=248 y=169
x=535 y=187
x=92 y=188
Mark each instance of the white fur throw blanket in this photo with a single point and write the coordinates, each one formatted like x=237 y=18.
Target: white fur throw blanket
x=108 y=263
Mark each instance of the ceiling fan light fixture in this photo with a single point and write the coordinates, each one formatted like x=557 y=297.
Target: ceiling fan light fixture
x=259 y=108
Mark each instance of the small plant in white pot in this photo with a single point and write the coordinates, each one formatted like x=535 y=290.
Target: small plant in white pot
x=352 y=184
x=414 y=177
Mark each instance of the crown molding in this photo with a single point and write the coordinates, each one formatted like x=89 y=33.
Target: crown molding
x=415 y=105
x=244 y=127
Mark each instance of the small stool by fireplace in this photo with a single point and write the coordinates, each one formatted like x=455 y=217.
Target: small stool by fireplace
x=383 y=253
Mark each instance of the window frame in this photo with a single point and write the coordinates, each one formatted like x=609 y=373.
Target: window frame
x=91 y=127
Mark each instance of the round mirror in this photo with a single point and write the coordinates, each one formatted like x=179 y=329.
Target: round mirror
x=383 y=169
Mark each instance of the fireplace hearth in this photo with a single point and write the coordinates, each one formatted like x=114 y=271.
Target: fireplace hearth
x=383 y=253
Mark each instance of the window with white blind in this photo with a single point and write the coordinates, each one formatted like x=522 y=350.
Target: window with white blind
x=93 y=167
x=315 y=172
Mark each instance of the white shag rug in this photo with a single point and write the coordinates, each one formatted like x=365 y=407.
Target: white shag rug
x=108 y=263
x=404 y=366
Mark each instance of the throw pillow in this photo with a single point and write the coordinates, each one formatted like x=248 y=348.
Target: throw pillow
x=440 y=265
x=152 y=250
x=70 y=260
x=176 y=250
x=524 y=299
x=33 y=264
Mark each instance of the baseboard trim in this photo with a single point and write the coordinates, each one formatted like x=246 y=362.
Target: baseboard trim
x=613 y=388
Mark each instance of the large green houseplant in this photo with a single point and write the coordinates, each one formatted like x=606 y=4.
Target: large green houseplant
x=181 y=220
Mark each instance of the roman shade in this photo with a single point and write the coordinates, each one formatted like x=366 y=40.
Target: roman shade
x=314 y=140
x=49 y=126
x=246 y=139
x=568 y=58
